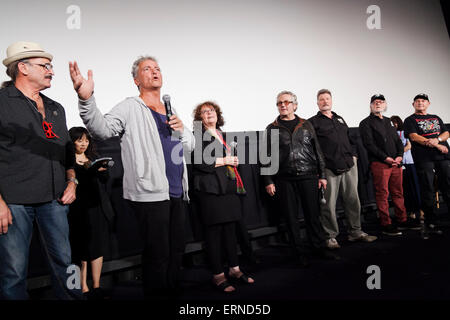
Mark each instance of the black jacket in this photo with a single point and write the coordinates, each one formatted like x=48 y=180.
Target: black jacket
x=206 y=177
x=380 y=138
x=300 y=155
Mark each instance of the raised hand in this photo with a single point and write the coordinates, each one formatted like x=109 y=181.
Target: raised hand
x=84 y=87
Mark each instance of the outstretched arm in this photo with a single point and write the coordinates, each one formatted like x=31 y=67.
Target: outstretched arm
x=100 y=126
x=84 y=87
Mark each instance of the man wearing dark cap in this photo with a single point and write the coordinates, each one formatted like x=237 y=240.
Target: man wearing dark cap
x=385 y=151
x=428 y=135
x=37 y=180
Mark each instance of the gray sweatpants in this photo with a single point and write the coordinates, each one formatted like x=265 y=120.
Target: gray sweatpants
x=345 y=184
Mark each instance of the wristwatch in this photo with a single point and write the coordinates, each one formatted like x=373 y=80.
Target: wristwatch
x=74 y=180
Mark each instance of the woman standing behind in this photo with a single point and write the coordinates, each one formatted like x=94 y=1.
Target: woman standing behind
x=91 y=214
x=217 y=185
x=411 y=190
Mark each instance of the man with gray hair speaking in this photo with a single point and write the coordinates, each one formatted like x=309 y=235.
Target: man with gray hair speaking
x=37 y=179
x=155 y=175
x=341 y=170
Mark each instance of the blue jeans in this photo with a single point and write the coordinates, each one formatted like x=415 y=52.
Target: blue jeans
x=51 y=220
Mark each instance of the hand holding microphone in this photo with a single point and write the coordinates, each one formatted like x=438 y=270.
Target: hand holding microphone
x=168 y=106
x=322 y=187
x=322 y=196
x=175 y=123
x=233 y=146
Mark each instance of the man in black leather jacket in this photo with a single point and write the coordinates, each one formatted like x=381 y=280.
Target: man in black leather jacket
x=300 y=176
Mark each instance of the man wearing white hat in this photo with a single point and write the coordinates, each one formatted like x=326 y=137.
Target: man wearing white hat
x=37 y=180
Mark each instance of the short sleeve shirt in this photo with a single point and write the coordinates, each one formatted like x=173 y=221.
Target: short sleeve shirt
x=428 y=126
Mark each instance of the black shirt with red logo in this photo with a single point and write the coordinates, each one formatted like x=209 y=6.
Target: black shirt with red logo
x=428 y=126
x=34 y=152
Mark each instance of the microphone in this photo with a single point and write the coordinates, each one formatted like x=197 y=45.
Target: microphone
x=322 y=196
x=233 y=146
x=107 y=164
x=110 y=163
x=168 y=106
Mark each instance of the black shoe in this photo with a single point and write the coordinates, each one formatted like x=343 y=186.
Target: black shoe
x=409 y=224
x=390 y=230
x=87 y=295
x=433 y=229
x=97 y=294
x=223 y=286
x=326 y=254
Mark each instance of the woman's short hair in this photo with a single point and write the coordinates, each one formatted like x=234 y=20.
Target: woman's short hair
x=197 y=114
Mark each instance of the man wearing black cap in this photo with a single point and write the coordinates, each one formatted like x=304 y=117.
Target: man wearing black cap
x=385 y=151
x=428 y=135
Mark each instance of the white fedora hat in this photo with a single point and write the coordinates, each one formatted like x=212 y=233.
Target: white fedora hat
x=22 y=50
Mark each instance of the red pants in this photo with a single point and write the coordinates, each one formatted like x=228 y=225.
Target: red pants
x=388 y=180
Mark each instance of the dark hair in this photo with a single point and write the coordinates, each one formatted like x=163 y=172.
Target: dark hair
x=12 y=70
x=197 y=114
x=323 y=91
x=396 y=120
x=77 y=133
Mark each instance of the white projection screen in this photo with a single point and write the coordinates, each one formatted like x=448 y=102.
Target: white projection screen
x=241 y=53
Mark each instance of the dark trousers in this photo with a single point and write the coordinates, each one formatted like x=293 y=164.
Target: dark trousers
x=305 y=193
x=411 y=189
x=426 y=172
x=243 y=239
x=162 y=225
x=221 y=238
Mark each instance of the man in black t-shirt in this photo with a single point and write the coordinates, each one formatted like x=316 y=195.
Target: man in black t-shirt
x=430 y=150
